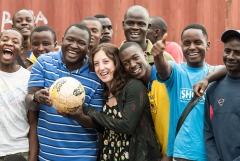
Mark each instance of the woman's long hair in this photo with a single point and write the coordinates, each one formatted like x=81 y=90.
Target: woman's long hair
x=120 y=77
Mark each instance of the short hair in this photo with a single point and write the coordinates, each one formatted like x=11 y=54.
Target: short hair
x=136 y=6
x=21 y=10
x=129 y=44
x=159 y=23
x=196 y=26
x=120 y=77
x=44 y=28
x=14 y=29
x=80 y=26
x=91 y=18
x=101 y=16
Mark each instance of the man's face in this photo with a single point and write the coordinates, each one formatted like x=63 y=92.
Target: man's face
x=151 y=32
x=134 y=62
x=75 y=45
x=42 y=42
x=107 y=30
x=135 y=25
x=24 y=22
x=96 y=31
x=194 y=47
x=10 y=46
x=231 y=56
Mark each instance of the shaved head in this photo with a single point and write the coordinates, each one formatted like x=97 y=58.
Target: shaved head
x=137 y=8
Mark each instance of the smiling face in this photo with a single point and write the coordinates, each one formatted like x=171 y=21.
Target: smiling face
x=10 y=46
x=194 y=47
x=24 y=22
x=107 y=30
x=75 y=46
x=231 y=56
x=42 y=42
x=95 y=28
x=134 y=62
x=135 y=25
x=104 y=67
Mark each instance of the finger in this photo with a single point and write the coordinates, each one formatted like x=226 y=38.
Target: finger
x=164 y=38
x=196 y=89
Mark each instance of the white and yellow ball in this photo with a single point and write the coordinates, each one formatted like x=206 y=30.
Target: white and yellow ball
x=67 y=94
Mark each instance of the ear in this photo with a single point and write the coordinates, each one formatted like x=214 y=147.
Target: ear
x=62 y=39
x=21 y=50
x=145 y=55
x=156 y=33
x=208 y=45
x=55 y=44
x=123 y=25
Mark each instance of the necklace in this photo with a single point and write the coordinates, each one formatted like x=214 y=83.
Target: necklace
x=109 y=97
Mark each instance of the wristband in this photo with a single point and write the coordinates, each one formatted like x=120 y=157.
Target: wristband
x=33 y=98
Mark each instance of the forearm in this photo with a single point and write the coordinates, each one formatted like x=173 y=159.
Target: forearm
x=33 y=138
x=219 y=74
x=163 y=67
x=32 y=106
x=86 y=121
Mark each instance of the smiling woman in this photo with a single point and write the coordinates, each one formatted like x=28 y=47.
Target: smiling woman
x=126 y=120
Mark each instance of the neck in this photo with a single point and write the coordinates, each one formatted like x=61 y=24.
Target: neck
x=75 y=66
x=146 y=78
x=10 y=68
x=143 y=45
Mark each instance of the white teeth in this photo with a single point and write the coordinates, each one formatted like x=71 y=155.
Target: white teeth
x=192 y=54
x=103 y=74
x=24 y=29
x=134 y=33
x=73 y=52
x=136 y=70
x=8 y=50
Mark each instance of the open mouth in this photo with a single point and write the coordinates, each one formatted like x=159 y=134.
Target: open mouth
x=7 y=53
x=25 y=29
x=104 y=74
x=136 y=71
x=72 y=53
x=134 y=34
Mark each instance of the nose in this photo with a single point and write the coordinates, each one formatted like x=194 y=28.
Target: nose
x=132 y=64
x=9 y=43
x=24 y=22
x=231 y=55
x=101 y=66
x=135 y=26
x=40 y=47
x=192 y=46
x=74 y=44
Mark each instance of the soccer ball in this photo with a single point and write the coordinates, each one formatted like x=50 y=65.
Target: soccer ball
x=67 y=94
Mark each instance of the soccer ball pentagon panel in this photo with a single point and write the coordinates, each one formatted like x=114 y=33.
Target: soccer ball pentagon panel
x=67 y=94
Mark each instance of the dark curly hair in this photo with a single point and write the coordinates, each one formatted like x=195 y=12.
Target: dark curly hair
x=120 y=77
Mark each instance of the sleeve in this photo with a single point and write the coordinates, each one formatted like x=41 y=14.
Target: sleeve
x=169 y=82
x=210 y=144
x=37 y=74
x=136 y=100
x=97 y=98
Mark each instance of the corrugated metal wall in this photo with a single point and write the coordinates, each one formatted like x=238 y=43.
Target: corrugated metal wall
x=215 y=15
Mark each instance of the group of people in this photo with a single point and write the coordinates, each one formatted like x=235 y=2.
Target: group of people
x=135 y=93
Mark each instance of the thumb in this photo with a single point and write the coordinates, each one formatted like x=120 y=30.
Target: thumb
x=164 y=38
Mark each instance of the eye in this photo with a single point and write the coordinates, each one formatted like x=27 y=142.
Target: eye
x=135 y=57
x=237 y=53
x=46 y=43
x=130 y=23
x=186 y=43
x=35 y=44
x=125 y=64
x=110 y=27
x=95 y=64
x=15 y=42
x=198 y=42
x=227 y=51
x=141 y=24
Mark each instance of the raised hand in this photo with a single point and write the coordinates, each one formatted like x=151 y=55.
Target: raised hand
x=159 y=46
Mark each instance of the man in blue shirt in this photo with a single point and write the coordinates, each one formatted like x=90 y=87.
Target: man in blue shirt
x=179 y=79
x=61 y=138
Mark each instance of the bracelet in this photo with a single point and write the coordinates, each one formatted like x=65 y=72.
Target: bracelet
x=33 y=98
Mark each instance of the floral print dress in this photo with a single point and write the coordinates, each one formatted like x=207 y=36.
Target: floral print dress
x=115 y=145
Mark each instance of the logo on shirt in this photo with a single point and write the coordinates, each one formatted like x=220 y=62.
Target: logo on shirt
x=187 y=94
x=221 y=101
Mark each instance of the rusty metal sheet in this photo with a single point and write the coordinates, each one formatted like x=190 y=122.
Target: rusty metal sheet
x=215 y=15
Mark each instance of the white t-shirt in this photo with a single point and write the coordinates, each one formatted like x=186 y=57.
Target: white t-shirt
x=14 y=125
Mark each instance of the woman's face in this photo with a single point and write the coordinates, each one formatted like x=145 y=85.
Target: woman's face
x=104 y=67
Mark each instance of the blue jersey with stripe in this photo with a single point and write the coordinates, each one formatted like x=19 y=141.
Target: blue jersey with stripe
x=61 y=138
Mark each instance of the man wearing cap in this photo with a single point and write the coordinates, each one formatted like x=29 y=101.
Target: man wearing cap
x=222 y=110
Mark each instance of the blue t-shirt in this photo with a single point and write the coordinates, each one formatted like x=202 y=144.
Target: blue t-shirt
x=61 y=138
x=189 y=142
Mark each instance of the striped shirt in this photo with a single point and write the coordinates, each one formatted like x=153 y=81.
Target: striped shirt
x=61 y=138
